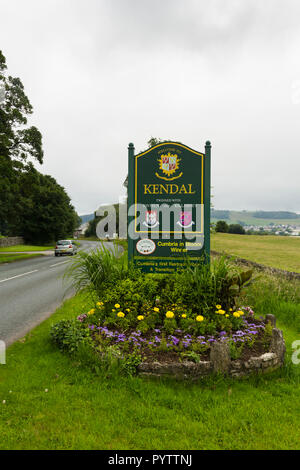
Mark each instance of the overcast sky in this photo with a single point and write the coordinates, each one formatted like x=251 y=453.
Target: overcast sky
x=103 y=73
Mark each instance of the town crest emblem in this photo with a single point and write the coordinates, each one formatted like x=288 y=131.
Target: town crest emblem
x=168 y=165
x=185 y=219
x=151 y=219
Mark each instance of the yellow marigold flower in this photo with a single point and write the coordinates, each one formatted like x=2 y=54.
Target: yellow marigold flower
x=121 y=314
x=169 y=314
x=230 y=310
x=218 y=307
x=156 y=309
x=99 y=304
x=113 y=310
x=236 y=314
x=199 y=318
x=127 y=309
x=117 y=305
x=140 y=317
x=221 y=312
x=240 y=312
x=183 y=315
x=91 y=312
x=226 y=315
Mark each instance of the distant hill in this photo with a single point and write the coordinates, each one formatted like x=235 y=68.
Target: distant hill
x=276 y=215
x=86 y=218
x=256 y=217
x=220 y=215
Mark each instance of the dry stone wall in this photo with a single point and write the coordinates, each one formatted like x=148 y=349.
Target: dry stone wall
x=220 y=362
x=11 y=241
x=261 y=267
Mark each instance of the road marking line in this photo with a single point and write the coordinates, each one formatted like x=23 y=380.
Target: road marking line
x=19 y=275
x=56 y=264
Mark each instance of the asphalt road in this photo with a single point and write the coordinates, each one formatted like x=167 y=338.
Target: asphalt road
x=30 y=291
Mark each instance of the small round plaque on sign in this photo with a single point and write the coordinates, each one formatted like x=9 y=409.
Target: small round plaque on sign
x=145 y=246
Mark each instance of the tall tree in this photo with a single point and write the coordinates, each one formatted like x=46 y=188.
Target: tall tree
x=31 y=204
x=44 y=212
x=16 y=140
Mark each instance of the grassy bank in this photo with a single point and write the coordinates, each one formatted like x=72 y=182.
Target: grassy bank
x=10 y=258
x=89 y=239
x=25 y=248
x=54 y=402
x=275 y=251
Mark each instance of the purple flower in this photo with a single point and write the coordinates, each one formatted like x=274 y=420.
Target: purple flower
x=81 y=317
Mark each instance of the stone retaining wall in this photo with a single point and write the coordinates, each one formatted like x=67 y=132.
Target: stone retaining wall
x=220 y=362
x=261 y=267
x=11 y=241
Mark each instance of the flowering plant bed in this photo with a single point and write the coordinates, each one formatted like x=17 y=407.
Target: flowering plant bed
x=171 y=344
x=184 y=318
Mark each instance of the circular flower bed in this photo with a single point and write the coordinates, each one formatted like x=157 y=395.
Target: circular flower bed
x=166 y=334
x=188 y=320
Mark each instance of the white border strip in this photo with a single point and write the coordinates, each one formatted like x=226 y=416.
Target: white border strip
x=19 y=275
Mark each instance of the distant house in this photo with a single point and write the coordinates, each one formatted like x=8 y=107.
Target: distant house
x=81 y=230
x=77 y=233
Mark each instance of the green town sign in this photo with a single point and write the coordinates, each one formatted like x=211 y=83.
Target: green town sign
x=168 y=206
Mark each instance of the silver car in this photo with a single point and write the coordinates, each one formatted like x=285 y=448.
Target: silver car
x=65 y=247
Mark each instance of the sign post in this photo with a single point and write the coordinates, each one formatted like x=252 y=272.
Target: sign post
x=168 y=206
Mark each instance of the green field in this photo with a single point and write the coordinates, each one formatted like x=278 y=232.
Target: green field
x=275 y=251
x=10 y=258
x=246 y=217
x=25 y=248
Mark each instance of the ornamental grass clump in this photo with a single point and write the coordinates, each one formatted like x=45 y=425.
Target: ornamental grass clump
x=95 y=269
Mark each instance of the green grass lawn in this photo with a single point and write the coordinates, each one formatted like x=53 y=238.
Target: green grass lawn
x=53 y=402
x=10 y=258
x=26 y=248
x=275 y=251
